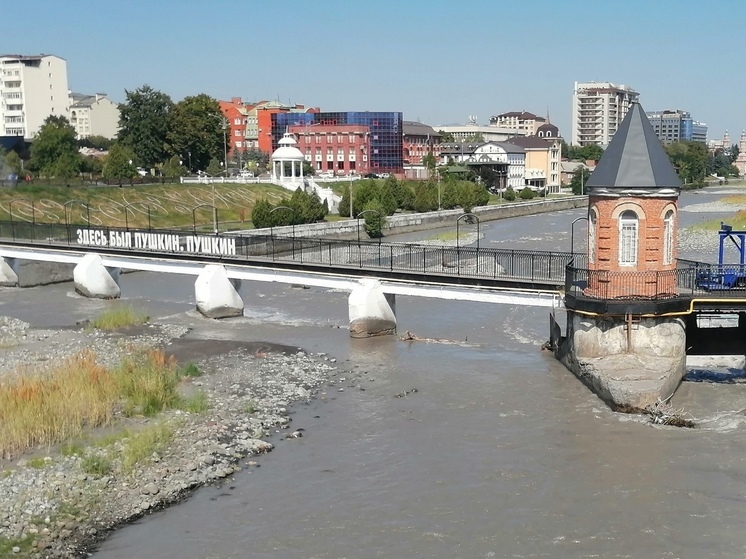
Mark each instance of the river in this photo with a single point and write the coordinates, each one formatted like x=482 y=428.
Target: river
x=500 y=451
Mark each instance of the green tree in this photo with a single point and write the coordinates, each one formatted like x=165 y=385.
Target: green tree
x=375 y=218
x=579 y=179
x=54 y=151
x=690 y=159
x=430 y=164
x=197 y=128
x=256 y=160
x=307 y=207
x=12 y=162
x=144 y=122
x=100 y=143
x=261 y=216
x=591 y=152
x=118 y=164
x=426 y=197
x=446 y=138
x=527 y=194
x=214 y=167
x=509 y=194
x=174 y=168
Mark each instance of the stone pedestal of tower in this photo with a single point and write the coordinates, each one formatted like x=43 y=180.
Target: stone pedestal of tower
x=629 y=365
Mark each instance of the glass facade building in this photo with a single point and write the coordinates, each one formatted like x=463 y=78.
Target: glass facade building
x=384 y=130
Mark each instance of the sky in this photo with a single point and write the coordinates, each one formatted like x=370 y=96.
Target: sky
x=436 y=61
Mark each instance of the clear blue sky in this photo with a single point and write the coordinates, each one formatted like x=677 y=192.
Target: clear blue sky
x=437 y=61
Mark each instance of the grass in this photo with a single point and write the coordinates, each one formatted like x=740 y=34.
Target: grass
x=140 y=446
x=169 y=205
x=196 y=403
x=119 y=316
x=192 y=371
x=736 y=220
x=96 y=464
x=251 y=407
x=7 y=545
x=57 y=405
x=38 y=463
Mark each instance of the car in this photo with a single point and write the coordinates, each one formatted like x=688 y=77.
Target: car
x=142 y=172
x=246 y=175
x=383 y=176
x=370 y=176
x=326 y=174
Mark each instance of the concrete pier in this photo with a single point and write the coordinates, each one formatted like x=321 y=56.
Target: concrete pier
x=628 y=365
x=372 y=312
x=216 y=294
x=8 y=272
x=93 y=279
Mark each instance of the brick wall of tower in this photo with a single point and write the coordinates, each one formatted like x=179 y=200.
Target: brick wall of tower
x=650 y=276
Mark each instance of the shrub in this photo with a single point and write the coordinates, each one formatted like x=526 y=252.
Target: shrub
x=119 y=316
x=374 y=219
x=95 y=464
x=509 y=194
x=527 y=194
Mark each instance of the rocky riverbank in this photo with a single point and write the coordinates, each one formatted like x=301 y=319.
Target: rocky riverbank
x=53 y=505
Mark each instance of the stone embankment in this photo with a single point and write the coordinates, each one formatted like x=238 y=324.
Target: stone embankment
x=50 y=506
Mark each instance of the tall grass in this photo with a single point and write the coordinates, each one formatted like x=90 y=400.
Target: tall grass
x=57 y=405
x=118 y=316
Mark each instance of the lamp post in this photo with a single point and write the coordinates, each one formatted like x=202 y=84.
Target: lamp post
x=126 y=208
x=67 y=221
x=358 y=222
x=194 y=219
x=271 y=227
x=10 y=212
x=572 y=234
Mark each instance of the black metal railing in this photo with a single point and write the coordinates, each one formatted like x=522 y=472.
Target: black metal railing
x=543 y=268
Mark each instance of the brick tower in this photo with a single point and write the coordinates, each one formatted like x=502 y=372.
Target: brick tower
x=633 y=215
x=625 y=338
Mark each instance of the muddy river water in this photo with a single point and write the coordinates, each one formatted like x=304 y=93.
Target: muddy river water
x=500 y=451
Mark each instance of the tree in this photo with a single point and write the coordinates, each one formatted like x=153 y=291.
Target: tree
x=174 y=168
x=197 y=128
x=118 y=164
x=375 y=218
x=100 y=143
x=214 y=168
x=430 y=163
x=260 y=215
x=54 y=151
x=12 y=162
x=579 y=179
x=690 y=159
x=144 y=121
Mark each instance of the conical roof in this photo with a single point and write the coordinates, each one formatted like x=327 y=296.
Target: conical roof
x=635 y=159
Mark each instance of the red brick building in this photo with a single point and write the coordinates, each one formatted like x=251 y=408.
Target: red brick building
x=417 y=141
x=235 y=112
x=342 y=148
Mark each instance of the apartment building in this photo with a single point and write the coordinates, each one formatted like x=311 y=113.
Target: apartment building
x=94 y=115
x=675 y=126
x=32 y=88
x=598 y=109
x=518 y=120
x=543 y=161
x=340 y=149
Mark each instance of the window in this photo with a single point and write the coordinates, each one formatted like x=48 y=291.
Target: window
x=238 y=144
x=628 y=225
x=592 y=237
x=668 y=237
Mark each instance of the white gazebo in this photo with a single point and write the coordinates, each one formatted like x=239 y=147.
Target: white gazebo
x=288 y=152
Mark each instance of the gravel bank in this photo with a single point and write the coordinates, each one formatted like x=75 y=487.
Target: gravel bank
x=49 y=507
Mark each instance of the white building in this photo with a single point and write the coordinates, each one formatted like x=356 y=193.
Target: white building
x=507 y=160
x=597 y=111
x=94 y=115
x=32 y=88
x=468 y=132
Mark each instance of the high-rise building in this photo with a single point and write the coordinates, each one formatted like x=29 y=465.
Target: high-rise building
x=598 y=109
x=32 y=88
x=675 y=126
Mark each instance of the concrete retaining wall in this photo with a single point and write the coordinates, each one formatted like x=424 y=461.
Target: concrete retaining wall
x=407 y=223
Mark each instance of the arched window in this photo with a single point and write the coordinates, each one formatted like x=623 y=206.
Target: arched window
x=668 y=237
x=592 y=236
x=628 y=226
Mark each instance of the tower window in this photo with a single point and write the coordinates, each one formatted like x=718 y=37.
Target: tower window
x=592 y=237
x=628 y=238
x=668 y=237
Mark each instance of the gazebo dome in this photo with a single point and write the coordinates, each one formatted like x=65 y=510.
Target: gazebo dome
x=287 y=150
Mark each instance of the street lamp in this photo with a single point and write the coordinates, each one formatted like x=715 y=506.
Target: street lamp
x=458 y=220
x=225 y=146
x=10 y=212
x=358 y=222
x=271 y=227
x=126 y=208
x=572 y=234
x=194 y=220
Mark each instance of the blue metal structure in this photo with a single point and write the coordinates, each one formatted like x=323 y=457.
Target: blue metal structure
x=726 y=276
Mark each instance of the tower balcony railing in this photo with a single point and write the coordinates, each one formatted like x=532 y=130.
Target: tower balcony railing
x=688 y=280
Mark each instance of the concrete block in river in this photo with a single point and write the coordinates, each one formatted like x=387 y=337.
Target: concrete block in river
x=216 y=295
x=93 y=279
x=372 y=312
